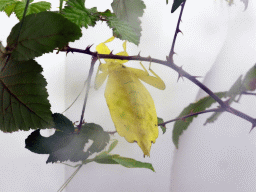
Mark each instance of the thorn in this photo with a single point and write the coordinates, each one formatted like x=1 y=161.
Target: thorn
x=111 y=53
x=252 y=128
x=180 y=75
x=197 y=77
x=179 y=31
x=171 y=56
x=69 y=51
x=88 y=47
x=139 y=54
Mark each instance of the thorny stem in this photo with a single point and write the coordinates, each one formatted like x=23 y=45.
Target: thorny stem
x=170 y=64
x=248 y=93
x=176 y=32
x=94 y=59
x=190 y=115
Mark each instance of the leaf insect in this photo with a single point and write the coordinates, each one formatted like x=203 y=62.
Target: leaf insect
x=131 y=106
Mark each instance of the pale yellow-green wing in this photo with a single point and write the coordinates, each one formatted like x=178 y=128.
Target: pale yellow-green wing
x=131 y=107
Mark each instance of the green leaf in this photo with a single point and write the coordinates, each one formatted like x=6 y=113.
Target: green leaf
x=249 y=81
x=198 y=106
x=65 y=144
x=129 y=11
x=62 y=123
x=23 y=100
x=248 y=84
x=124 y=161
x=76 y=12
x=235 y=88
x=160 y=120
x=106 y=13
x=9 y=8
x=131 y=163
x=234 y=91
x=176 y=4
x=6 y=3
x=112 y=146
x=61 y=138
x=41 y=33
x=106 y=158
x=32 y=8
x=123 y=30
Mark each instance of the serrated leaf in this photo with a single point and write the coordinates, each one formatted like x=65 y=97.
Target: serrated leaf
x=123 y=30
x=160 y=120
x=10 y=9
x=6 y=3
x=112 y=146
x=74 y=150
x=198 y=106
x=32 y=8
x=64 y=144
x=176 y=4
x=62 y=123
x=76 y=12
x=41 y=33
x=129 y=11
x=23 y=100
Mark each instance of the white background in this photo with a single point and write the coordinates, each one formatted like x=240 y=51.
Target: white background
x=216 y=157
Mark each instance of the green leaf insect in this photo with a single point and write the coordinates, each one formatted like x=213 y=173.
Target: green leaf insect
x=130 y=104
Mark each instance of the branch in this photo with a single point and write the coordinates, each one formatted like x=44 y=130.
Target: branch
x=170 y=64
x=191 y=115
x=94 y=59
x=176 y=32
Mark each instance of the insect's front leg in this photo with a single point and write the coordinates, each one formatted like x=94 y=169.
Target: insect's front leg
x=154 y=81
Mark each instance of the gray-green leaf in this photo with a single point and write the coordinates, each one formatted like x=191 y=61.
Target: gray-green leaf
x=198 y=106
x=123 y=30
x=130 y=11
